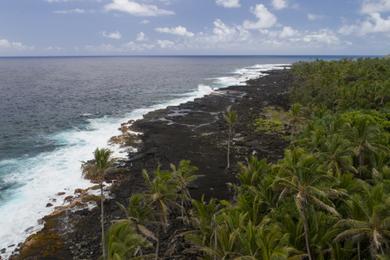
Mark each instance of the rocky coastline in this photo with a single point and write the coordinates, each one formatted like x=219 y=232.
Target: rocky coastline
x=194 y=131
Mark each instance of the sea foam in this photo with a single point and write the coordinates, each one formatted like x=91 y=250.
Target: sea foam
x=38 y=179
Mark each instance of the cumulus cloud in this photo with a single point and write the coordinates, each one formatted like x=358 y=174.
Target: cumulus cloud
x=70 y=11
x=375 y=6
x=11 y=45
x=374 y=23
x=137 y=9
x=112 y=35
x=322 y=36
x=225 y=33
x=265 y=19
x=164 y=44
x=314 y=17
x=279 y=4
x=179 y=30
x=140 y=37
x=228 y=3
x=288 y=32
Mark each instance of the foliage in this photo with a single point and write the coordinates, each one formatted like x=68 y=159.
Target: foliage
x=328 y=198
x=166 y=192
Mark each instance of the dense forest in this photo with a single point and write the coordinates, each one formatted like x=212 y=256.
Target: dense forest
x=328 y=198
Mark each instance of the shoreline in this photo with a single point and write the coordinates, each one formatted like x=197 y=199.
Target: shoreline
x=187 y=115
x=32 y=222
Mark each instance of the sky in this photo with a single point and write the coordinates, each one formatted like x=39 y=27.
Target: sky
x=194 y=27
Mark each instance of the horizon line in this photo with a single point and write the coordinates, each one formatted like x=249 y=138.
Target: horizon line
x=192 y=55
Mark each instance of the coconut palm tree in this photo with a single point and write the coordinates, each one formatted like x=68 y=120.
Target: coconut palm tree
x=127 y=237
x=264 y=241
x=183 y=175
x=366 y=136
x=161 y=195
x=96 y=171
x=124 y=242
x=230 y=117
x=368 y=220
x=296 y=118
x=299 y=175
x=336 y=154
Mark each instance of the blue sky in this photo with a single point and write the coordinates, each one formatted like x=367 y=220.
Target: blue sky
x=142 y=27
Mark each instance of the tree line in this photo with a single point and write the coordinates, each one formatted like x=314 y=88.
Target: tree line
x=328 y=198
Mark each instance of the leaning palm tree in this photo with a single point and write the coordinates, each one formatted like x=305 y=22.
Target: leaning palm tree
x=299 y=175
x=96 y=171
x=369 y=221
x=231 y=119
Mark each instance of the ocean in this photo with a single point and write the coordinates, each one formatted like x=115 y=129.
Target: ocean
x=54 y=111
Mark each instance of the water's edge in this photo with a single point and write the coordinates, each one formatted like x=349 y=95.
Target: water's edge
x=105 y=128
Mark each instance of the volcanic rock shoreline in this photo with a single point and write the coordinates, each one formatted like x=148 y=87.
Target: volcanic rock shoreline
x=194 y=131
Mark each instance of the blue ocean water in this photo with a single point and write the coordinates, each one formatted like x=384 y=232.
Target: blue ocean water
x=55 y=111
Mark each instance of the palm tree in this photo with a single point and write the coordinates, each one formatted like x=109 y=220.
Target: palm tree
x=296 y=117
x=124 y=242
x=183 y=175
x=127 y=237
x=161 y=195
x=336 y=153
x=231 y=119
x=367 y=137
x=264 y=241
x=96 y=171
x=369 y=220
x=300 y=176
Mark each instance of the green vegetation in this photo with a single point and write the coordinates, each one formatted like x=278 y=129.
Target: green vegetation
x=275 y=120
x=328 y=198
x=96 y=171
x=166 y=193
x=230 y=117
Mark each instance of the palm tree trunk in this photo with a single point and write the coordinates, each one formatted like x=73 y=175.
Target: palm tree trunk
x=228 y=149
x=361 y=160
x=157 y=243
x=358 y=249
x=306 y=232
x=102 y=221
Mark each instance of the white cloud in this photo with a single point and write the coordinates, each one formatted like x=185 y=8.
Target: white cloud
x=288 y=32
x=179 y=30
x=10 y=45
x=145 y=21
x=225 y=33
x=70 y=11
x=112 y=35
x=228 y=3
x=58 y=1
x=266 y=19
x=54 y=48
x=165 y=44
x=314 y=17
x=322 y=36
x=279 y=4
x=137 y=9
x=141 y=37
x=136 y=46
x=375 y=6
x=374 y=23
